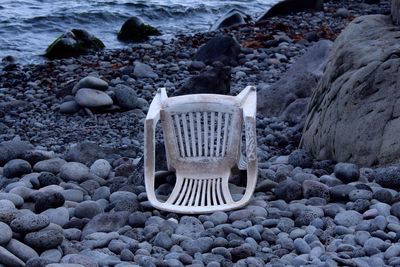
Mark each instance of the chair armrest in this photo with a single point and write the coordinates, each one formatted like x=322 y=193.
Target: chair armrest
x=152 y=118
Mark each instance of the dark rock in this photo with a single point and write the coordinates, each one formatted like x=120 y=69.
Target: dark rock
x=35 y=155
x=388 y=177
x=126 y=97
x=29 y=223
x=212 y=81
x=106 y=222
x=135 y=30
x=16 y=168
x=12 y=150
x=296 y=111
x=395 y=210
x=231 y=18
x=300 y=158
x=242 y=252
x=315 y=189
x=69 y=107
x=73 y=43
x=292 y=6
x=47 y=178
x=85 y=152
x=220 y=48
x=383 y=195
x=297 y=83
x=341 y=192
x=48 y=200
x=347 y=172
x=288 y=190
x=163 y=240
x=46 y=239
x=38 y=262
x=87 y=209
x=137 y=219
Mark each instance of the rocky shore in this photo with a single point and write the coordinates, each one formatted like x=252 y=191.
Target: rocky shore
x=71 y=185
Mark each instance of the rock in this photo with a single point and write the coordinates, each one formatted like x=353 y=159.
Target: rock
x=395 y=210
x=92 y=83
x=300 y=158
x=46 y=239
x=79 y=258
x=142 y=70
x=74 y=171
x=106 y=222
x=212 y=81
x=315 y=189
x=288 y=190
x=29 y=223
x=21 y=250
x=85 y=152
x=348 y=218
x=301 y=246
x=231 y=18
x=242 y=252
x=87 y=209
x=137 y=219
x=341 y=192
x=297 y=83
x=292 y=6
x=16 y=168
x=59 y=216
x=135 y=30
x=220 y=48
x=342 y=12
x=163 y=240
x=47 y=178
x=383 y=195
x=49 y=165
x=360 y=194
x=69 y=107
x=6 y=233
x=91 y=98
x=15 y=199
x=347 y=172
x=12 y=150
x=37 y=262
x=189 y=226
x=365 y=133
x=388 y=177
x=73 y=43
x=48 y=200
x=296 y=111
x=8 y=259
x=35 y=155
x=101 y=168
x=64 y=265
x=126 y=96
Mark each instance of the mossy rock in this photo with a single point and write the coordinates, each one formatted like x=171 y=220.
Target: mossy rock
x=74 y=43
x=135 y=30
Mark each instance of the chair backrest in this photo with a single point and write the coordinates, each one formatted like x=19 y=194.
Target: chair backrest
x=201 y=131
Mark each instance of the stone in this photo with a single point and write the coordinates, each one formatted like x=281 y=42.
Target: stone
x=69 y=107
x=59 y=216
x=211 y=81
x=126 y=96
x=383 y=195
x=221 y=48
x=388 y=177
x=143 y=70
x=16 y=168
x=92 y=83
x=365 y=134
x=231 y=18
x=218 y=217
x=347 y=172
x=6 y=233
x=73 y=43
x=87 y=209
x=8 y=259
x=29 y=223
x=37 y=262
x=45 y=239
x=360 y=194
x=15 y=199
x=297 y=83
x=163 y=240
x=52 y=255
x=189 y=226
x=301 y=246
x=35 y=155
x=74 y=171
x=49 y=165
x=92 y=98
x=47 y=178
x=102 y=192
x=348 y=218
x=287 y=7
x=137 y=219
x=315 y=189
x=395 y=210
x=341 y=192
x=242 y=252
x=288 y=190
x=48 y=200
x=79 y=259
x=106 y=222
x=85 y=152
x=12 y=150
x=373 y=246
x=134 y=29
x=300 y=158
x=75 y=195
x=295 y=112
x=64 y=265
x=21 y=250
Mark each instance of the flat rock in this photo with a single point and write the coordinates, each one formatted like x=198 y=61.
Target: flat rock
x=74 y=171
x=348 y=218
x=87 y=209
x=92 y=83
x=12 y=150
x=8 y=259
x=15 y=199
x=21 y=250
x=6 y=233
x=91 y=98
x=29 y=223
x=142 y=70
x=106 y=222
x=49 y=165
x=69 y=107
x=46 y=239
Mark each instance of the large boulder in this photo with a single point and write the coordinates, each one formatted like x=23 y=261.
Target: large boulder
x=297 y=83
x=74 y=43
x=231 y=18
x=292 y=6
x=211 y=81
x=221 y=48
x=354 y=114
x=13 y=149
x=135 y=30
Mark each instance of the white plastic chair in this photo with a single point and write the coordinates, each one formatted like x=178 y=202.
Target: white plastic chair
x=202 y=136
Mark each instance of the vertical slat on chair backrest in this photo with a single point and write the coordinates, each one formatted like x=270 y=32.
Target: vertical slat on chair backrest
x=205 y=125
x=179 y=133
x=212 y=133
x=225 y=137
x=219 y=128
x=186 y=135
x=199 y=133
x=192 y=134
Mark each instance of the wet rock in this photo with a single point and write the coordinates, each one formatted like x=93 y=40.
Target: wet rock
x=292 y=6
x=231 y=18
x=135 y=30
